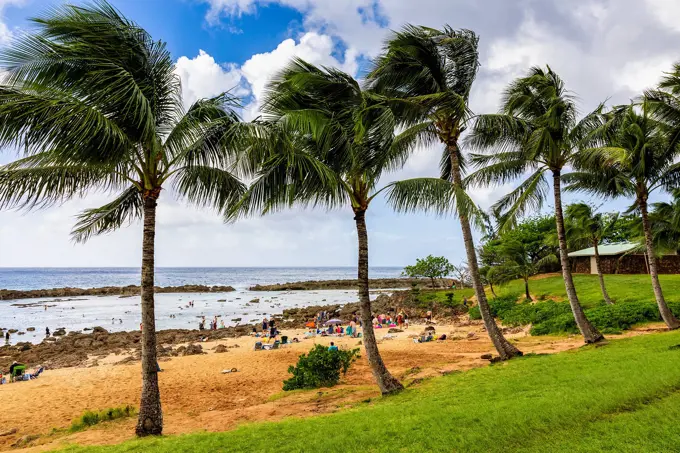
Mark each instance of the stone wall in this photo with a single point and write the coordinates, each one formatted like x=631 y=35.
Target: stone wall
x=626 y=264
x=580 y=265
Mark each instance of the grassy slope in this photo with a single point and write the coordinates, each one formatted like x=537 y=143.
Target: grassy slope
x=623 y=397
x=621 y=288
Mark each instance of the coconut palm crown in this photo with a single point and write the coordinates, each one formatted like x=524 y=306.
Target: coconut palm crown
x=94 y=104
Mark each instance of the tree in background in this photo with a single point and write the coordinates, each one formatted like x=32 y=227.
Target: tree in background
x=537 y=132
x=665 y=223
x=431 y=267
x=462 y=274
x=521 y=252
x=433 y=71
x=629 y=155
x=95 y=104
x=626 y=228
x=583 y=224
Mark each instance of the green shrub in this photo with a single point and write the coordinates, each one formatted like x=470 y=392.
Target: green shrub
x=319 y=368
x=550 y=317
x=90 y=418
x=498 y=306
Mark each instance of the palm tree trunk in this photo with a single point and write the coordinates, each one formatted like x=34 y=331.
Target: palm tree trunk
x=492 y=291
x=666 y=313
x=150 y=421
x=505 y=349
x=386 y=382
x=526 y=288
x=605 y=294
x=589 y=331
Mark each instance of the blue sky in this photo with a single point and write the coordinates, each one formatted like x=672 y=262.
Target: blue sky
x=602 y=48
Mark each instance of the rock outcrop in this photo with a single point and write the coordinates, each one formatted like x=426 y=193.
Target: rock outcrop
x=132 y=290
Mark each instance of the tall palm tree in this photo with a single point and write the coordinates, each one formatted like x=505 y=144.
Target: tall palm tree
x=431 y=72
x=327 y=142
x=536 y=131
x=94 y=103
x=583 y=223
x=630 y=156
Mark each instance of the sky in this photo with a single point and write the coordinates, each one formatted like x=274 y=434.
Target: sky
x=603 y=49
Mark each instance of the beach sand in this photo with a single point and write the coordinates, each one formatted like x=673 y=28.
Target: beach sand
x=197 y=396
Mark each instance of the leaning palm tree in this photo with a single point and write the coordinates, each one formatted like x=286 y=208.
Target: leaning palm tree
x=536 y=131
x=584 y=224
x=327 y=142
x=630 y=156
x=431 y=72
x=95 y=105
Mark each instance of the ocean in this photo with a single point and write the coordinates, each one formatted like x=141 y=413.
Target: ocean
x=25 y=278
x=116 y=313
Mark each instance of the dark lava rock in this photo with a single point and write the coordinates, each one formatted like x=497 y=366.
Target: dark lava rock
x=220 y=348
x=192 y=349
x=30 y=329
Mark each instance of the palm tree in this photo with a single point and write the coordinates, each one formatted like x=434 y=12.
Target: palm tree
x=95 y=105
x=536 y=131
x=665 y=223
x=327 y=142
x=583 y=223
x=630 y=157
x=431 y=72
x=519 y=261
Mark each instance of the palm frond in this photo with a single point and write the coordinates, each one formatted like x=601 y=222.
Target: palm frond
x=422 y=195
x=528 y=197
x=31 y=186
x=208 y=186
x=127 y=208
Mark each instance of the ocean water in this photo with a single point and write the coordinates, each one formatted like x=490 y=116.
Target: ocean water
x=238 y=277
x=116 y=313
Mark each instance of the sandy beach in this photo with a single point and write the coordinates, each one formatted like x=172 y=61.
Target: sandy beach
x=197 y=396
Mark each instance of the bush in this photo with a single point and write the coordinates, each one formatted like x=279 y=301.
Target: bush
x=550 y=317
x=497 y=305
x=319 y=368
x=90 y=418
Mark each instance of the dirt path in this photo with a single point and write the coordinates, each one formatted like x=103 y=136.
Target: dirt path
x=197 y=396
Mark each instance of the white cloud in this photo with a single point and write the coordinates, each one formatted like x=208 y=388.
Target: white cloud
x=642 y=74
x=312 y=47
x=203 y=77
x=5 y=32
x=667 y=12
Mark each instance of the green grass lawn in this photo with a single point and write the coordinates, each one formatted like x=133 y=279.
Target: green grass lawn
x=621 y=288
x=620 y=397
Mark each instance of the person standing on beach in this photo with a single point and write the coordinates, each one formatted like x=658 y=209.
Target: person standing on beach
x=272 y=333
x=265 y=325
x=47 y=331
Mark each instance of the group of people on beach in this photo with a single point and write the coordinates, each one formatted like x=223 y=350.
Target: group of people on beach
x=213 y=324
x=382 y=320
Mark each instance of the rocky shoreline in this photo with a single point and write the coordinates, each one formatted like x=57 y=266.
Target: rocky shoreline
x=74 y=349
x=375 y=283
x=126 y=291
